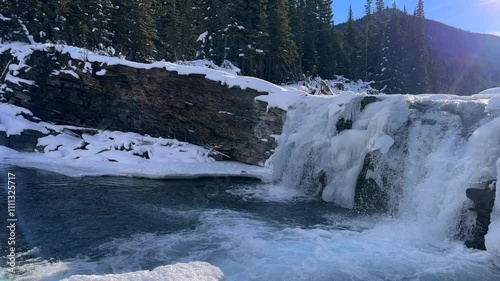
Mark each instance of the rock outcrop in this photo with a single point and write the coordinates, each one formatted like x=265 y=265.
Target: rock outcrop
x=484 y=199
x=26 y=141
x=152 y=101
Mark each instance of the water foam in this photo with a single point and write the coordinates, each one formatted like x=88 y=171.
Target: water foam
x=426 y=151
x=247 y=247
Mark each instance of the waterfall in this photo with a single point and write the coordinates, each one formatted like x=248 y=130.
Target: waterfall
x=413 y=156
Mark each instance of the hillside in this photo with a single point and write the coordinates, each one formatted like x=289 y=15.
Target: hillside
x=281 y=42
x=462 y=62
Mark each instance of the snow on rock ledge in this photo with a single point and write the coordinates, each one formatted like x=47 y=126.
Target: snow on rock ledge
x=75 y=151
x=69 y=85
x=192 y=271
x=282 y=97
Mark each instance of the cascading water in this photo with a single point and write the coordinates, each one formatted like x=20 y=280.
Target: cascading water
x=421 y=152
x=325 y=142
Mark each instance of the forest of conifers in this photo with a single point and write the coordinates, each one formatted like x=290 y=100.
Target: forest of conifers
x=277 y=40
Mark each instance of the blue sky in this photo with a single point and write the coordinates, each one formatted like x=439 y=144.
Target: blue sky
x=481 y=16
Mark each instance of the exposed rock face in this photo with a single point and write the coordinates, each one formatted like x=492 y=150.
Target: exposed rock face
x=156 y=102
x=26 y=141
x=484 y=199
x=369 y=196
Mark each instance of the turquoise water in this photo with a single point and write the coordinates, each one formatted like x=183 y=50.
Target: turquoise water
x=251 y=231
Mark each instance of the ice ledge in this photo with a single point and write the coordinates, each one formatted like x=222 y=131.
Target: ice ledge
x=192 y=271
x=145 y=169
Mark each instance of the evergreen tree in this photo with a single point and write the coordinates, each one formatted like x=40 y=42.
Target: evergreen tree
x=297 y=27
x=380 y=5
x=420 y=9
x=256 y=37
x=391 y=74
x=350 y=49
x=310 y=57
x=368 y=8
x=278 y=40
x=421 y=70
x=99 y=24
x=350 y=32
x=282 y=53
x=327 y=45
x=366 y=31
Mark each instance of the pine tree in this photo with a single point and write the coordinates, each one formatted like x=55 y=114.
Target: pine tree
x=211 y=25
x=144 y=32
x=134 y=29
x=256 y=43
x=327 y=43
x=310 y=57
x=394 y=6
x=421 y=70
x=420 y=9
x=366 y=31
x=282 y=53
x=391 y=66
x=350 y=49
x=380 y=5
x=297 y=27
x=368 y=8
x=121 y=24
x=349 y=31
x=187 y=29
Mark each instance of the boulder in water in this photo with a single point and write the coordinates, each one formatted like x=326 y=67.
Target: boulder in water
x=484 y=199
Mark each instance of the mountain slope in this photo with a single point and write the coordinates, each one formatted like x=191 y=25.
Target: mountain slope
x=461 y=62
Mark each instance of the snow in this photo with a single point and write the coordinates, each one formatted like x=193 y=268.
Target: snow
x=339 y=85
x=277 y=99
x=192 y=271
x=12 y=123
x=278 y=96
x=113 y=153
x=17 y=80
x=202 y=37
x=492 y=91
x=64 y=71
x=118 y=154
x=493 y=104
x=87 y=67
x=101 y=72
x=122 y=147
x=4 y=18
x=226 y=65
x=492 y=238
x=98 y=166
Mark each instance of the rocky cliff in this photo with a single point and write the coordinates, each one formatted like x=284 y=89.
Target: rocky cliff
x=60 y=89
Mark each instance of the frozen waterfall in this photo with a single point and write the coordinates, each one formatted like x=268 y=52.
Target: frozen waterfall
x=420 y=152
